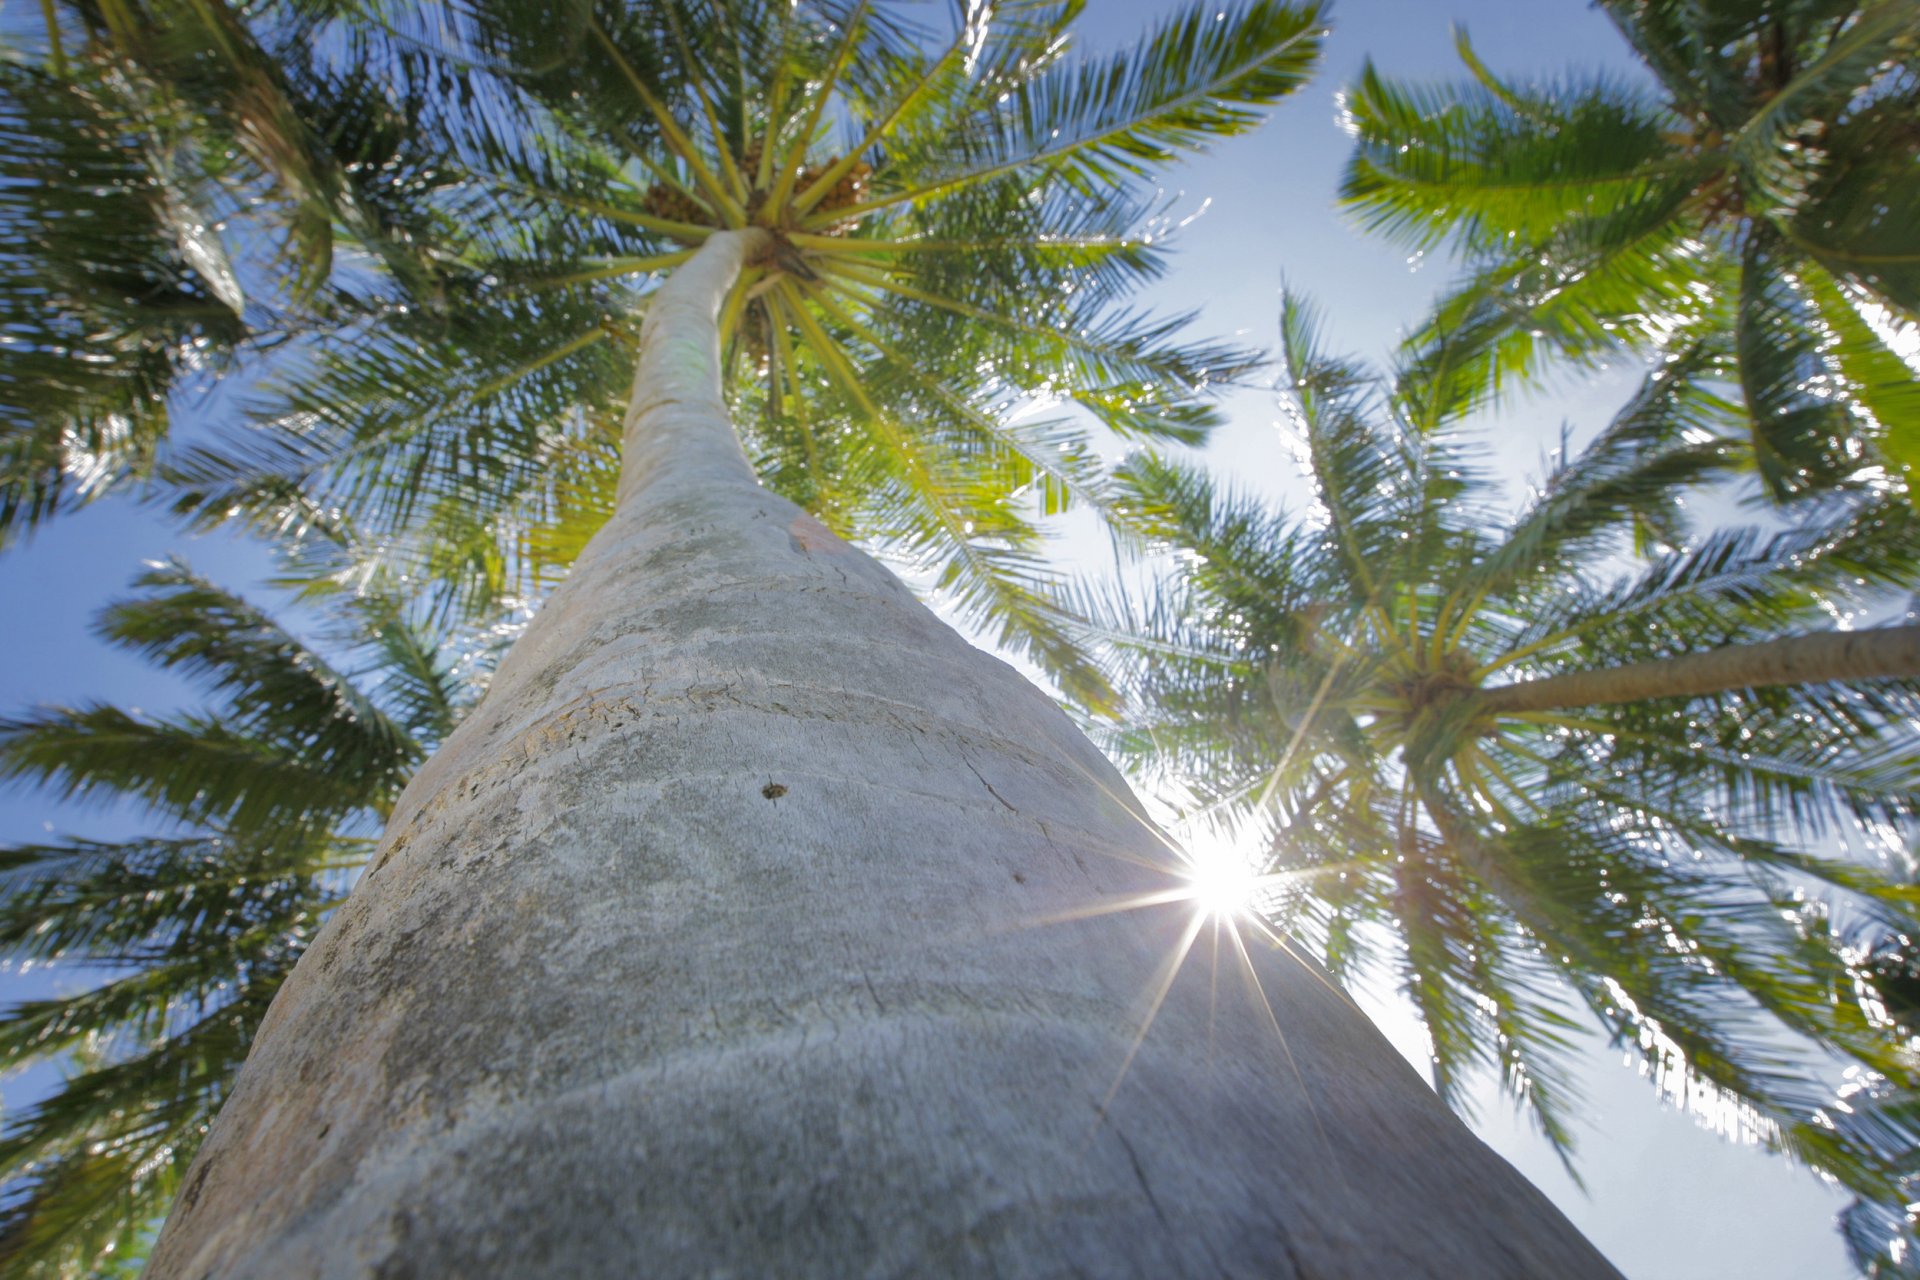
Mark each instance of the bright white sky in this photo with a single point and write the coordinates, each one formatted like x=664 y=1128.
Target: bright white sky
x=1665 y=1199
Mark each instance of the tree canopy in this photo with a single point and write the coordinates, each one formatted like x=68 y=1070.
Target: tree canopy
x=1754 y=194
x=1498 y=744
x=959 y=225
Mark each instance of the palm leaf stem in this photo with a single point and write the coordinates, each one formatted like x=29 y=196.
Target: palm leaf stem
x=763 y=171
x=927 y=485
x=611 y=268
x=1830 y=253
x=56 y=51
x=1555 y=720
x=1753 y=764
x=863 y=273
x=1045 y=155
x=1455 y=633
x=1300 y=731
x=978 y=420
x=1468 y=765
x=333 y=460
x=729 y=171
x=820 y=187
x=796 y=157
x=743 y=85
x=676 y=137
x=1742 y=573
x=1488 y=81
x=785 y=373
x=1508 y=275
x=848 y=245
x=1312 y=802
x=1874 y=25
x=693 y=231
x=1499 y=771
x=841 y=366
x=735 y=305
x=661 y=172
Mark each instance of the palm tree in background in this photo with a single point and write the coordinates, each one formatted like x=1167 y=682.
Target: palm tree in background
x=1450 y=724
x=1757 y=192
x=177 y=185
x=266 y=804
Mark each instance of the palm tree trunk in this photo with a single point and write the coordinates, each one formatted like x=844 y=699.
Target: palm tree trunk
x=757 y=924
x=1879 y=653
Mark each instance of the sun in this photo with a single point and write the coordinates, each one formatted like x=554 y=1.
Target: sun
x=1220 y=877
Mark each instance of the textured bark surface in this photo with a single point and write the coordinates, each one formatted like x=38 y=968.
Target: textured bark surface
x=1878 y=653
x=727 y=939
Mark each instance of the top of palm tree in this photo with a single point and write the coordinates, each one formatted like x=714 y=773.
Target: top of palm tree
x=1756 y=191
x=957 y=213
x=1373 y=684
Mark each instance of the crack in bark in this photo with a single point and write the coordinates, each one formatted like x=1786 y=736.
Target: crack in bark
x=988 y=785
x=1140 y=1174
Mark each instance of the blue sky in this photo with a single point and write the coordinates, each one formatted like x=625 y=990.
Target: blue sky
x=1665 y=1198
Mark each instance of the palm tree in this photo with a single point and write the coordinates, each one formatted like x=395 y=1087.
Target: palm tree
x=1756 y=192
x=893 y=354
x=717 y=935
x=1542 y=783
x=268 y=803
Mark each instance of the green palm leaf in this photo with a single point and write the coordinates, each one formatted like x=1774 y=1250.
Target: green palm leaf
x=184 y=937
x=1765 y=175
x=919 y=299
x=109 y=294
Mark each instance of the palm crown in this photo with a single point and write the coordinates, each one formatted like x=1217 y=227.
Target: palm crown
x=953 y=232
x=267 y=802
x=1384 y=686
x=1757 y=193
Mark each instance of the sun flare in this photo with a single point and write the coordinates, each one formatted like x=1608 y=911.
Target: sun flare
x=1220 y=878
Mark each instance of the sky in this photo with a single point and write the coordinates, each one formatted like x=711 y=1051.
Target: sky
x=1664 y=1197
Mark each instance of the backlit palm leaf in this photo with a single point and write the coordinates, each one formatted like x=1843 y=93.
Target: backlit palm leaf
x=1764 y=178
x=956 y=242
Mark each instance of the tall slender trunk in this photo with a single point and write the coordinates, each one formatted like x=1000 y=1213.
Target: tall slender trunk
x=1878 y=653
x=753 y=926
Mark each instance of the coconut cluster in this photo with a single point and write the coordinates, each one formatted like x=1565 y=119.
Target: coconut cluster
x=670 y=202
x=849 y=191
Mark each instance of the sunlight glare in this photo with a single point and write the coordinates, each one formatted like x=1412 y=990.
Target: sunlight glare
x=1220 y=878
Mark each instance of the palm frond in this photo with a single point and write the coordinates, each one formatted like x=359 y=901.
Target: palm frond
x=1670 y=437
x=1201 y=75
x=113 y=290
x=1487 y=166
x=182 y=938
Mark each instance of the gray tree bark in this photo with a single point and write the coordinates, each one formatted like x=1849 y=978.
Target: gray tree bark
x=756 y=924
x=1877 y=653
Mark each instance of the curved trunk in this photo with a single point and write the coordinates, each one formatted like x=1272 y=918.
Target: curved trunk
x=1879 y=653
x=757 y=924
